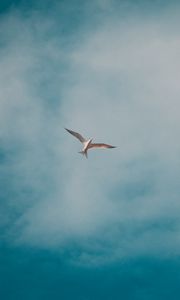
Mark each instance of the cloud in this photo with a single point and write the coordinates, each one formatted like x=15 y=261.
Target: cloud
x=118 y=83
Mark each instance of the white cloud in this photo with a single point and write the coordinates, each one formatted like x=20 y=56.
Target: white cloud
x=122 y=88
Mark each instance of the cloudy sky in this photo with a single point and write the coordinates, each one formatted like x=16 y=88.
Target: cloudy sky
x=107 y=227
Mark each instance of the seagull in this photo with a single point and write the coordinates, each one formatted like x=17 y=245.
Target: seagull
x=87 y=144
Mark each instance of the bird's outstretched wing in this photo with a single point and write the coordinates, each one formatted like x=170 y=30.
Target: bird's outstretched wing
x=100 y=145
x=77 y=135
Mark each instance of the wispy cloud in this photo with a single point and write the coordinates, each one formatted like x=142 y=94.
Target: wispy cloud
x=117 y=83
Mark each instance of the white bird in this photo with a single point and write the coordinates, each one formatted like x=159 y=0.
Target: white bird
x=88 y=143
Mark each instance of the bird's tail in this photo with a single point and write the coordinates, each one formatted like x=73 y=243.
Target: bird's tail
x=84 y=153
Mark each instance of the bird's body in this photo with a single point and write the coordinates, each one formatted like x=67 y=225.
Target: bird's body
x=87 y=144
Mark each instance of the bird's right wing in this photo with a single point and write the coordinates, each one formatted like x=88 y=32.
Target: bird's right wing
x=100 y=145
x=77 y=135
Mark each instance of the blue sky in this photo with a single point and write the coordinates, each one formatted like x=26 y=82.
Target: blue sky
x=107 y=227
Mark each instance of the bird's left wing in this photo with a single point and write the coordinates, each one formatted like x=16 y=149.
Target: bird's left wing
x=100 y=145
x=77 y=135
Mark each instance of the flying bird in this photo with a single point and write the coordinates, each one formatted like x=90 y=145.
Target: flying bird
x=87 y=144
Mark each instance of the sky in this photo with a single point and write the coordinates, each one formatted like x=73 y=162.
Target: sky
x=107 y=227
